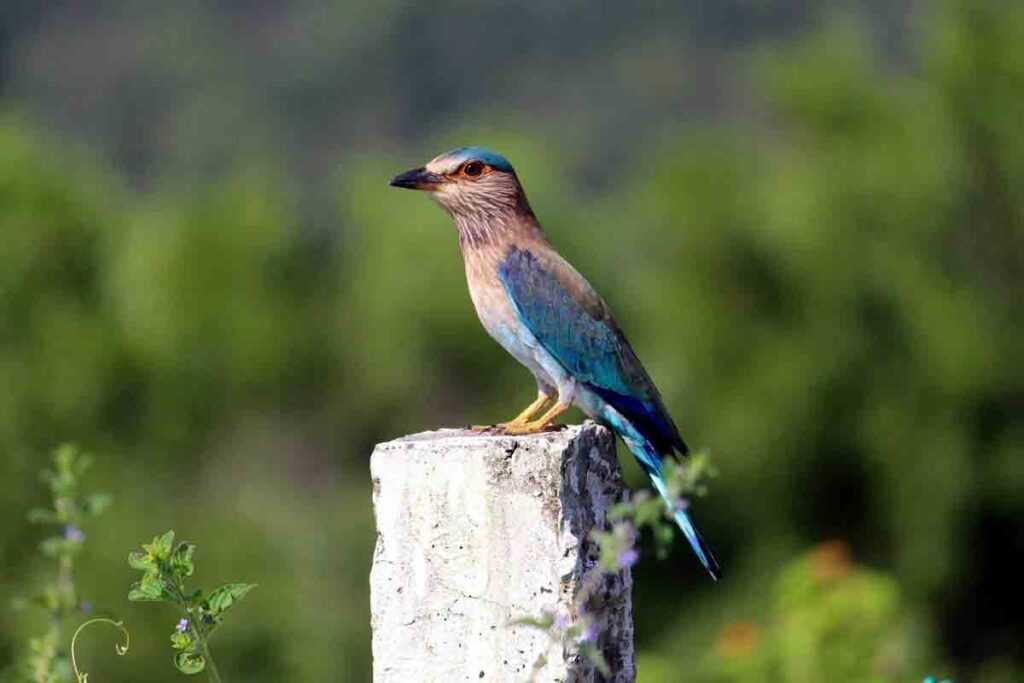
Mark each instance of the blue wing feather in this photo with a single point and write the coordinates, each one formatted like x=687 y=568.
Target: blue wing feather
x=575 y=327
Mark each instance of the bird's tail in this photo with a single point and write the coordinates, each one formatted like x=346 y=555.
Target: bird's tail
x=650 y=460
x=693 y=535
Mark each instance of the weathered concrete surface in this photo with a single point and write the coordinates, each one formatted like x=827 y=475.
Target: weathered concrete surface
x=474 y=531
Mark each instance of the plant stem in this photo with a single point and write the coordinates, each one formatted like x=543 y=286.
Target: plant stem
x=211 y=666
x=195 y=622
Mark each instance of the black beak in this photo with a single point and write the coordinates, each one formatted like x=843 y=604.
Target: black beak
x=416 y=179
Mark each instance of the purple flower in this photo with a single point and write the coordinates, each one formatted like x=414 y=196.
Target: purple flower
x=73 y=533
x=589 y=634
x=562 y=620
x=86 y=607
x=182 y=626
x=629 y=557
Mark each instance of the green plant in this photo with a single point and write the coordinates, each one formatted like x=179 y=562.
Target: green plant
x=164 y=566
x=47 y=660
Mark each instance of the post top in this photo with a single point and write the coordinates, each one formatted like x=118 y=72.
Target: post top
x=468 y=437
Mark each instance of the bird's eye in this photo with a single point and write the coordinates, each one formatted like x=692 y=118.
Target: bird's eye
x=472 y=169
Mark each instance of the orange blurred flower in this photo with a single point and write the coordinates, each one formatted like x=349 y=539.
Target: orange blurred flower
x=737 y=640
x=830 y=561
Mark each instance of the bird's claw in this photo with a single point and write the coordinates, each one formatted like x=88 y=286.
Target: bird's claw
x=529 y=428
x=482 y=429
x=500 y=428
x=514 y=428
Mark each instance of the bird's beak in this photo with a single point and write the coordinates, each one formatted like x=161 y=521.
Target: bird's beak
x=417 y=179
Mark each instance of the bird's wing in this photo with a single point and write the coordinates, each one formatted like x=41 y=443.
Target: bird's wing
x=575 y=326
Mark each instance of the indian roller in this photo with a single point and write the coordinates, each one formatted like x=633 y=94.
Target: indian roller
x=549 y=318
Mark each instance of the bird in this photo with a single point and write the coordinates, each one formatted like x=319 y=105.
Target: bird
x=545 y=314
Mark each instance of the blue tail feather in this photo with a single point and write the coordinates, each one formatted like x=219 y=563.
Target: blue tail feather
x=650 y=460
x=685 y=522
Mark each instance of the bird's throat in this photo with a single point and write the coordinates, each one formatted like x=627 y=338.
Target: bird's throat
x=477 y=231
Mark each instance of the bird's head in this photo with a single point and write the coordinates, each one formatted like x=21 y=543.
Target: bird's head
x=469 y=181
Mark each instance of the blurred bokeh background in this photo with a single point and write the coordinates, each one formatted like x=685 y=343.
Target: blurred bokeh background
x=809 y=217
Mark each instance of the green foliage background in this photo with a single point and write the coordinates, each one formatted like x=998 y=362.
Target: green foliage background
x=824 y=272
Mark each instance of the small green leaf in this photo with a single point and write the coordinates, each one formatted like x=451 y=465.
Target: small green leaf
x=141 y=561
x=189 y=662
x=543 y=622
x=64 y=456
x=97 y=503
x=161 y=546
x=42 y=516
x=49 y=598
x=152 y=579
x=52 y=546
x=649 y=511
x=663 y=535
x=620 y=511
x=150 y=587
x=224 y=597
x=181 y=640
x=181 y=559
x=137 y=594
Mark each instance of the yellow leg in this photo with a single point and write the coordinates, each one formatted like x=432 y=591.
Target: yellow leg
x=529 y=411
x=521 y=418
x=541 y=423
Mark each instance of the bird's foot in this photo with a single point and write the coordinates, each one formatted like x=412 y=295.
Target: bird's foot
x=523 y=425
x=500 y=428
x=545 y=423
x=520 y=419
x=524 y=428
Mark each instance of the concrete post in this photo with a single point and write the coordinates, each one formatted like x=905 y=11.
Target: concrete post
x=475 y=531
